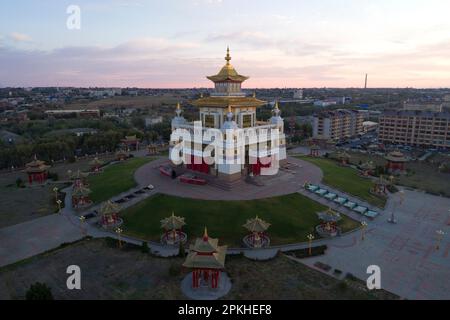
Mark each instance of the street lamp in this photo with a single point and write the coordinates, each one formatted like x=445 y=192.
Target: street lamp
x=310 y=238
x=363 y=228
x=440 y=235
x=119 y=232
x=59 y=202
x=82 y=220
x=55 y=190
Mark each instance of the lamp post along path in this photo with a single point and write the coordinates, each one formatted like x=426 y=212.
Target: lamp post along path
x=310 y=238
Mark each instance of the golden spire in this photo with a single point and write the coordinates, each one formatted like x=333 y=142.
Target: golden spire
x=178 y=106
x=254 y=94
x=228 y=57
x=276 y=105
x=205 y=235
x=229 y=108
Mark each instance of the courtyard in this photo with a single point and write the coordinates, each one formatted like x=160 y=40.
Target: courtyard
x=292 y=217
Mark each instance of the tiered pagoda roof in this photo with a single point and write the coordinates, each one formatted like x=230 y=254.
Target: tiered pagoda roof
x=36 y=166
x=172 y=223
x=130 y=138
x=227 y=73
x=77 y=174
x=96 y=162
x=343 y=155
x=109 y=208
x=81 y=191
x=329 y=216
x=369 y=165
x=256 y=225
x=315 y=147
x=206 y=254
x=396 y=156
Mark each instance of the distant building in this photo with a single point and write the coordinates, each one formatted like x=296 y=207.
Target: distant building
x=422 y=106
x=338 y=124
x=82 y=113
x=152 y=121
x=415 y=128
x=369 y=126
x=298 y=94
x=324 y=103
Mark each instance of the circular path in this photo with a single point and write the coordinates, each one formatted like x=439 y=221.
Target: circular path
x=285 y=182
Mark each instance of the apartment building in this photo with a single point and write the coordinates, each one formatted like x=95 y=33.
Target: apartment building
x=415 y=128
x=338 y=124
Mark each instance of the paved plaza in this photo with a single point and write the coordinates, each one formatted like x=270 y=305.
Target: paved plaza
x=406 y=252
x=285 y=182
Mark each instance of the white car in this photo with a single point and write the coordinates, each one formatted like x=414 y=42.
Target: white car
x=151 y=187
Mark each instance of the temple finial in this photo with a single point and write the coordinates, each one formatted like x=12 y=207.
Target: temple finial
x=178 y=106
x=205 y=235
x=228 y=57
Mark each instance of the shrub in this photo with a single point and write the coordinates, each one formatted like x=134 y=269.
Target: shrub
x=19 y=183
x=39 y=291
x=342 y=286
x=144 y=247
x=181 y=251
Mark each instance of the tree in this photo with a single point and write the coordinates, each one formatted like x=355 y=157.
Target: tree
x=181 y=251
x=144 y=247
x=39 y=291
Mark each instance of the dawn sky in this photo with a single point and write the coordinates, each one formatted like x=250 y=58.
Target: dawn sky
x=176 y=43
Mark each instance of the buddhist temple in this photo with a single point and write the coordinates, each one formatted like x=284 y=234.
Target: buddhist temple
x=367 y=168
x=229 y=111
x=343 y=157
x=257 y=237
x=80 y=197
x=328 y=227
x=110 y=215
x=122 y=155
x=207 y=260
x=78 y=177
x=314 y=151
x=131 y=142
x=96 y=164
x=395 y=162
x=172 y=230
x=37 y=171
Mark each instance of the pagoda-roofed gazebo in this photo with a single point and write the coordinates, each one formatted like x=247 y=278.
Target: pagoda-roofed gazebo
x=314 y=150
x=343 y=157
x=257 y=237
x=395 y=161
x=380 y=186
x=78 y=177
x=207 y=261
x=80 y=197
x=173 y=234
x=122 y=155
x=131 y=142
x=367 y=168
x=96 y=164
x=328 y=226
x=110 y=215
x=37 y=171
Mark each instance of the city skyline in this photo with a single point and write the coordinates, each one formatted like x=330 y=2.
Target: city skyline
x=175 y=44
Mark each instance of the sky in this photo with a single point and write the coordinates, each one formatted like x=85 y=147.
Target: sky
x=177 y=43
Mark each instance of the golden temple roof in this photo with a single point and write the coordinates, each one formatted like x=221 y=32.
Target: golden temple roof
x=172 y=223
x=256 y=225
x=36 y=166
x=225 y=101
x=96 y=161
x=77 y=174
x=206 y=253
x=396 y=156
x=227 y=73
x=81 y=191
x=109 y=207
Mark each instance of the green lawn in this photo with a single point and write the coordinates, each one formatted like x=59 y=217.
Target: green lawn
x=292 y=217
x=115 y=179
x=346 y=179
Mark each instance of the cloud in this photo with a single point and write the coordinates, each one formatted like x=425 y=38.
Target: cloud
x=20 y=37
x=166 y=62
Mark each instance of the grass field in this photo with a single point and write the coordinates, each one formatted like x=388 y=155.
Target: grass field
x=115 y=179
x=292 y=217
x=346 y=179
